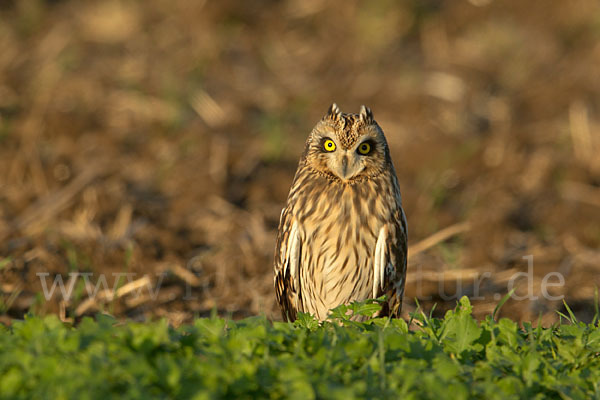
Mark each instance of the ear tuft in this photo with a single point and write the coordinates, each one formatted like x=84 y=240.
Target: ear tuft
x=333 y=112
x=365 y=114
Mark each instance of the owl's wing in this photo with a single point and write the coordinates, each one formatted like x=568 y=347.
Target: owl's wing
x=390 y=264
x=287 y=266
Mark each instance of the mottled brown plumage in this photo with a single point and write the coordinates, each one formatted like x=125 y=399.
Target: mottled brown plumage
x=342 y=235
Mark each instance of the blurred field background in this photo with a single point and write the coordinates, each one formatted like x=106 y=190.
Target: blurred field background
x=159 y=138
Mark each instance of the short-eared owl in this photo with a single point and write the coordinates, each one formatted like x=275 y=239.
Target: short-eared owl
x=342 y=235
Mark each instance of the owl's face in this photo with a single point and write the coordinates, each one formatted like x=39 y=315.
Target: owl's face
x=347 y=147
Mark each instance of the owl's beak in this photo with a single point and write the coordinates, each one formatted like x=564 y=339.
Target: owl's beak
x=347 y=166
x=344 y=166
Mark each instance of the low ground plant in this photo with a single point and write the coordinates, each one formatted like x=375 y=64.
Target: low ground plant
x=454 y=357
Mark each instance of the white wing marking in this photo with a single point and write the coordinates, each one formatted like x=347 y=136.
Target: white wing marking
x=379 y=264
x=293 y=254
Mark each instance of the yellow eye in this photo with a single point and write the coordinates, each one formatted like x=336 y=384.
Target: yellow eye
x=329 y=145
x=364 y=148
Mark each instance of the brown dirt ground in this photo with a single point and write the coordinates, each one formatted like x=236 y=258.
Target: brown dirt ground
x=159 y=139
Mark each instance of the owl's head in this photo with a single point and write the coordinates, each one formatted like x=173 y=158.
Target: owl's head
x=347 y=147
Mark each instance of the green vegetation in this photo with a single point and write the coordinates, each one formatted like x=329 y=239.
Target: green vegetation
x=455 y=357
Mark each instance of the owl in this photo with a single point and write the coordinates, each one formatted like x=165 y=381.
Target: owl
x=342 y=234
